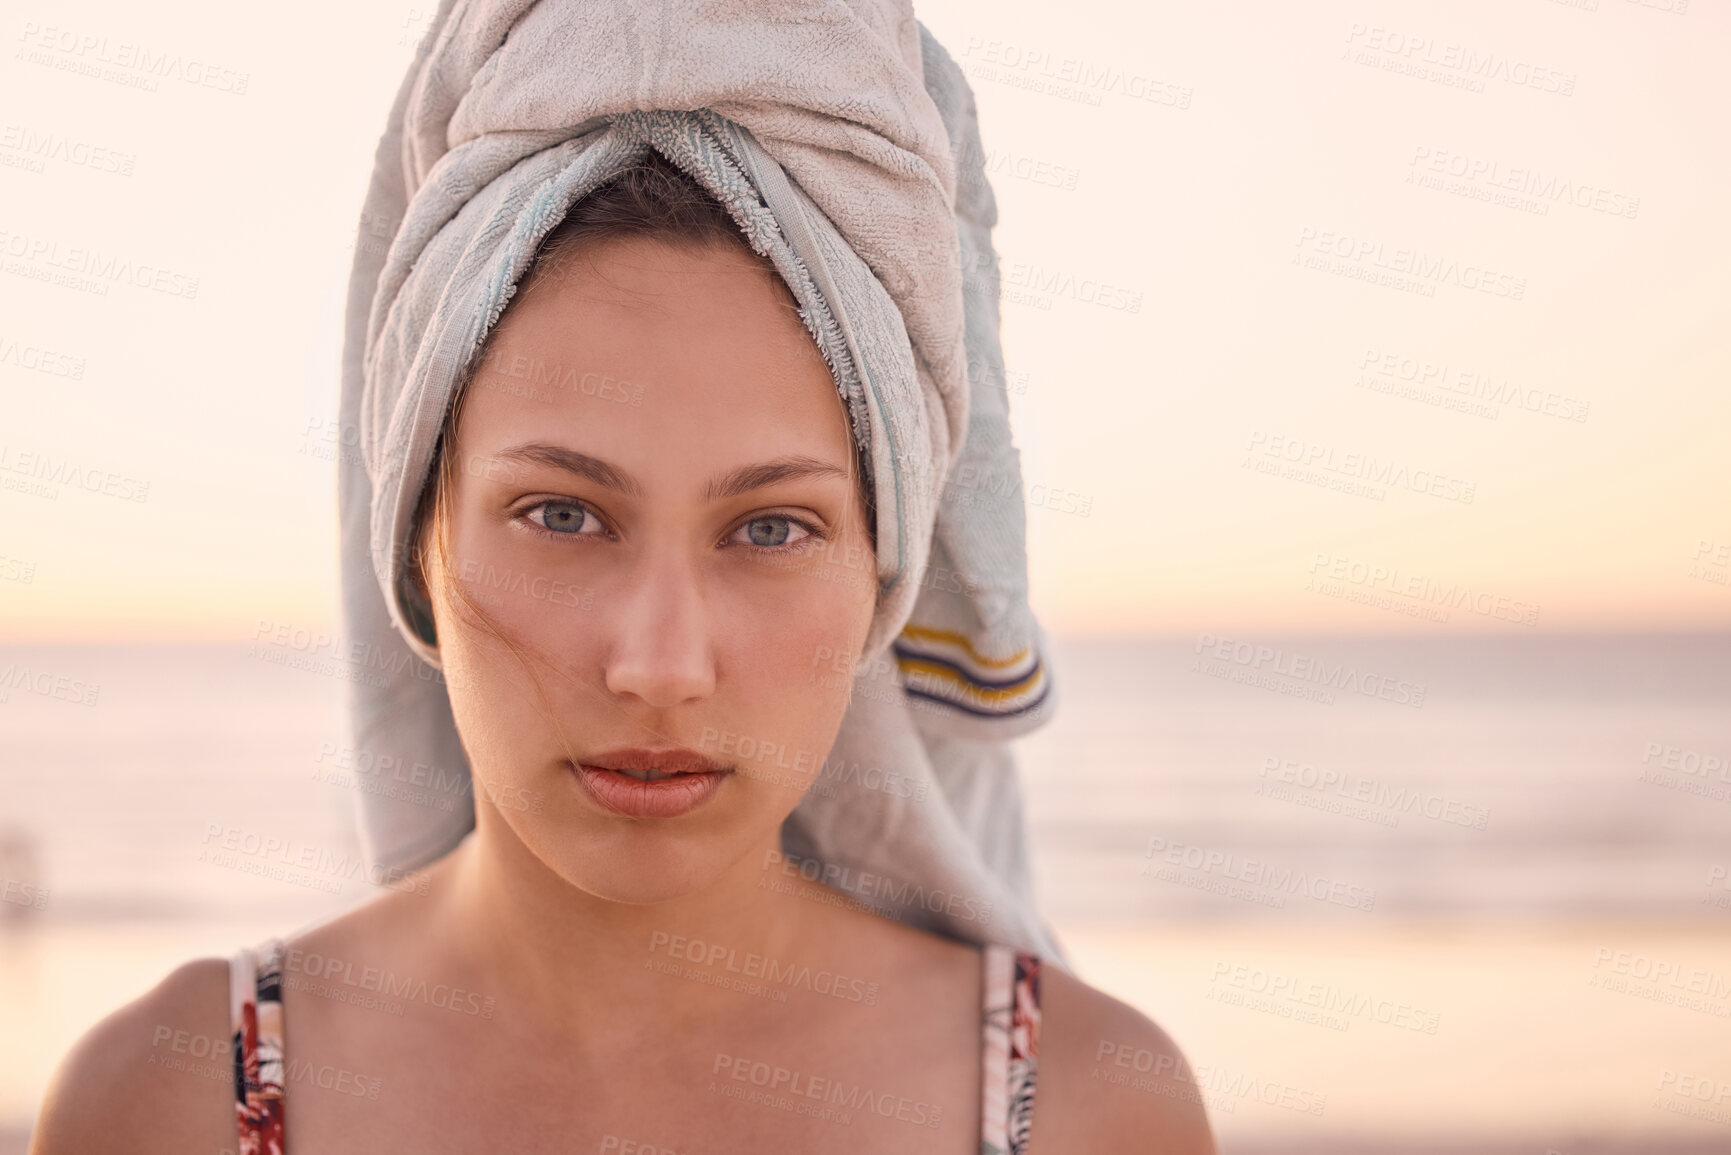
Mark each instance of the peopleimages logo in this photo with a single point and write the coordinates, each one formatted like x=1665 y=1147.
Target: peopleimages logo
x=1459 y=65
x=785 y=1087
x=36 y=147
x=1423 y=268
x=1520 y=179
x=1220 y=1088
x=1269 y=452
x=1468 y=384
x=1069 y=77
x=49 y=685
x=1418 y=589
x=21 y=893
x=350 y=659
x=139 y=65
x=1373 y=793
x=234 y=846
x=752 y=965
x=1255 y=872
x=45 y=467
x=1662 y=980
x=381 y=981
x=1285 y=993
x=41 y=360
x=105 y=267
x=1261 y=661
x=878 y=888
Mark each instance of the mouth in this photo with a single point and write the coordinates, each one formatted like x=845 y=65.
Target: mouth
x=642 y=775
x=643 y=783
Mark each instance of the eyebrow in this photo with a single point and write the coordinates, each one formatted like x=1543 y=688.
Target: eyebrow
x=571 y=461
x=742 y=480
x=764 y=474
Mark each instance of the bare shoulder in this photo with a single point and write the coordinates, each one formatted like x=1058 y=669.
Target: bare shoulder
x=1109 y=1079
x=155 y=1075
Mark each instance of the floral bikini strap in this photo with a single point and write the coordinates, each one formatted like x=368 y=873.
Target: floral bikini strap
x=1012 y=1049
x=255 y=1010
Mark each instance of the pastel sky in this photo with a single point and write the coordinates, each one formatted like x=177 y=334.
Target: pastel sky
x=1323 y=308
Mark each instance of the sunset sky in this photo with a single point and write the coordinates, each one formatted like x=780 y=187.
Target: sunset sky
x=1532 y=413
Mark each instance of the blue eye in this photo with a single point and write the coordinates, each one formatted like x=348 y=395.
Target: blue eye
x=564 y=517
x=771 y=532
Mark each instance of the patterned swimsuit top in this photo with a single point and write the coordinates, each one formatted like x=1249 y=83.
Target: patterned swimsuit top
x=1010 y=1037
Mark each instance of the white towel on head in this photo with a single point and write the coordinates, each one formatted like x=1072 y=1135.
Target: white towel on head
x=833 y=133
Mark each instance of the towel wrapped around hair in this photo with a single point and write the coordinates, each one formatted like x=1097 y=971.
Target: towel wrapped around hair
x=844 y=141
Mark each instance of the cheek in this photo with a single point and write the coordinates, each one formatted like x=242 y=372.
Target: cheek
x=515 y=600
x=511 y=635
x=787 y=654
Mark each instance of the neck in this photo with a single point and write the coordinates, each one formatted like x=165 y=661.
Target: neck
x=577 y=958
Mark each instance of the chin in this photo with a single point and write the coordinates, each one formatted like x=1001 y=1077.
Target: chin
x=654 y=870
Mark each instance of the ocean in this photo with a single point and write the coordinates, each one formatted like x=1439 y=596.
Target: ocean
x=1455 y=778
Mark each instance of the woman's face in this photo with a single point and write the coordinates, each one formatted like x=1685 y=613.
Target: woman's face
x=653 y=510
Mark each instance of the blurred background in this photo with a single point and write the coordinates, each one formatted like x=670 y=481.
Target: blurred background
x=1369 y=365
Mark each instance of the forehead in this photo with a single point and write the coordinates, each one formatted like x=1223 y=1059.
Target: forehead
x=639 y=341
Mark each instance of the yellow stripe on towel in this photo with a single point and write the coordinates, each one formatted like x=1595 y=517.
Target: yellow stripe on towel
x=973 y=690
x=927 y=633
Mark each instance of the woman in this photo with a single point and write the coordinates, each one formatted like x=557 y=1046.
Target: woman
x=637 y=483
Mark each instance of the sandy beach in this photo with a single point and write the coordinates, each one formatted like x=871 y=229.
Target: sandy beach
x=1535 y=1038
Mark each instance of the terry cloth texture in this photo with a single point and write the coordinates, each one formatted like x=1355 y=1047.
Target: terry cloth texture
x=844 y=141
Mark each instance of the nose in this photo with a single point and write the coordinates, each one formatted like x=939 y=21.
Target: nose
x=661 y=651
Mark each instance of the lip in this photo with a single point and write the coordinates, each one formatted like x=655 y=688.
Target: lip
x=696 y=779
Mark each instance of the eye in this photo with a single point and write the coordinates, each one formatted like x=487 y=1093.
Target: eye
x=561 y=517
x=774 y=531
